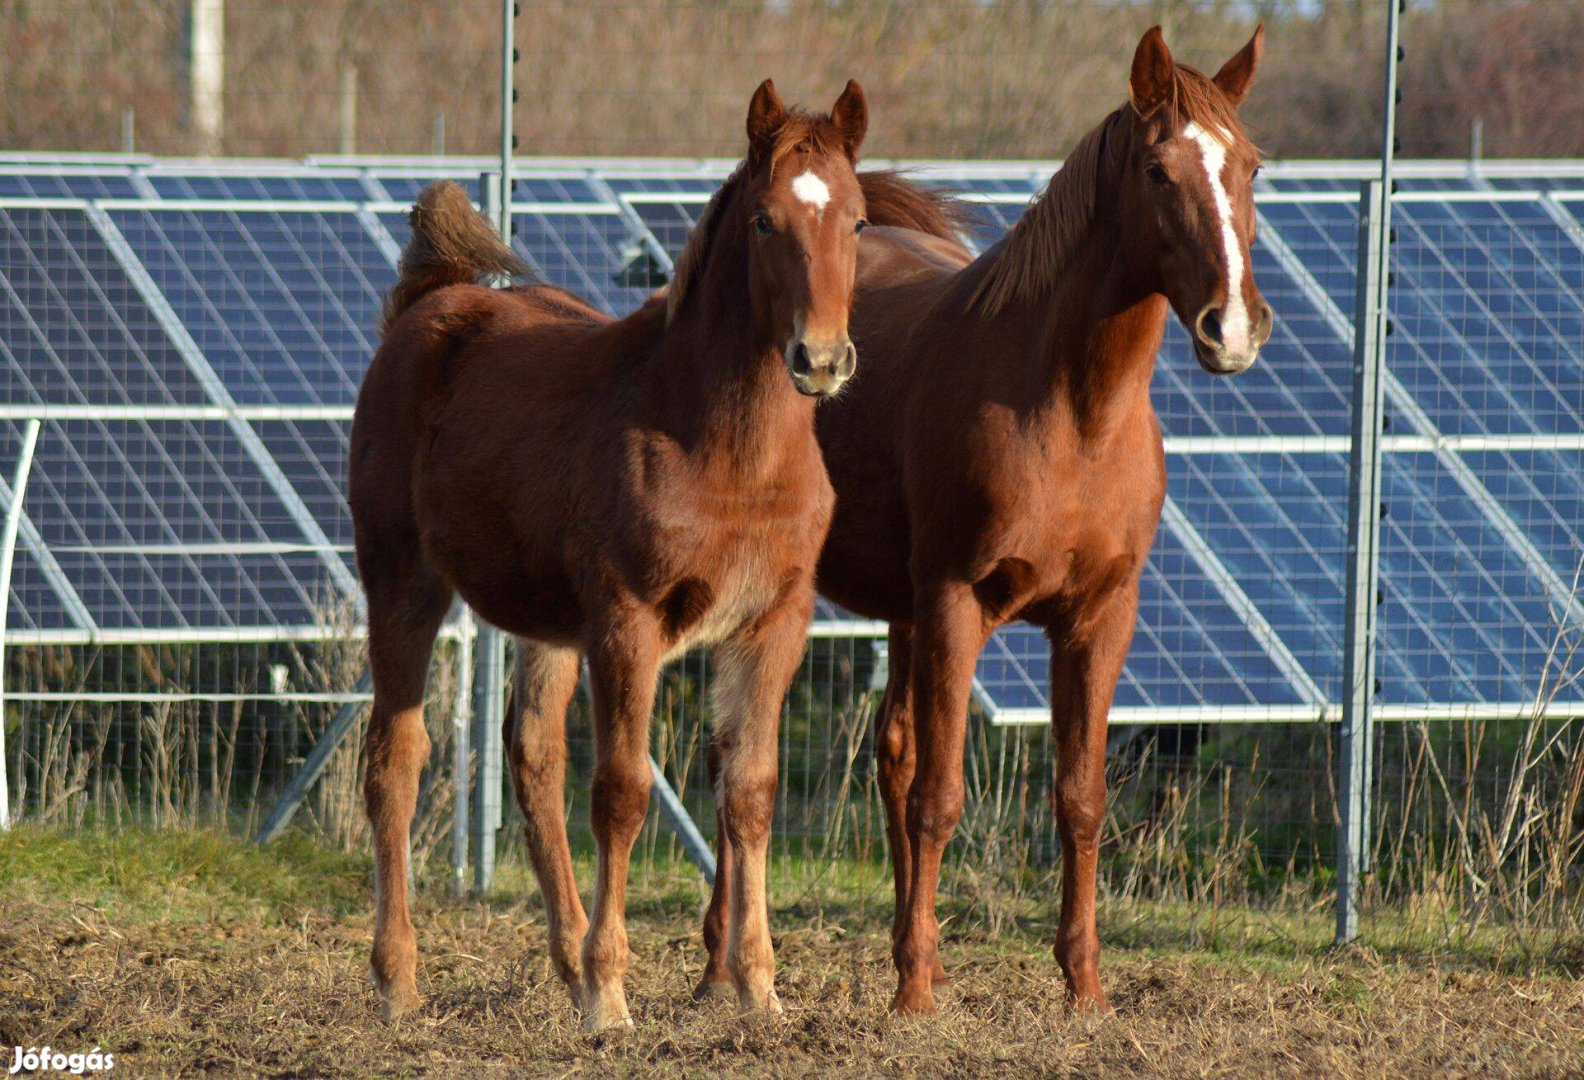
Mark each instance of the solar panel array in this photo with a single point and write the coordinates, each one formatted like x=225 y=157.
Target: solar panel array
x=241 y=299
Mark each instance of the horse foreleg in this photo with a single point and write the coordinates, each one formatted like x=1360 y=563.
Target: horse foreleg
x=1084 y=672
x=948 y=632
x=402 y=628
x=753 y=670
x=624 y=657
x=542 y=687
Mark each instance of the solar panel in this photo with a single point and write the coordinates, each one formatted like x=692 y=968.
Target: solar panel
x=162 y=524
x=284 y=304
x=67 y=186
x=225 y=186
x=73 y=329
x=174 y=524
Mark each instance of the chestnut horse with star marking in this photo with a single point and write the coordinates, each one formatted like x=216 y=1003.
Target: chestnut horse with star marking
x=621 y=489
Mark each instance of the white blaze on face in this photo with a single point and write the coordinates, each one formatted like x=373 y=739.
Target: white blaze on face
x=812 y=190
x=1234 y=317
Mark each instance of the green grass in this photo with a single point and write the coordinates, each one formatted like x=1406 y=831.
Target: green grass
x=180 y=876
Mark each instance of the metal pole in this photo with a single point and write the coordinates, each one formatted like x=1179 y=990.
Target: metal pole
x=462 y=752
x=314 y=766
x=1358 y=659
x=694 y=846
x=489 y=708
x=1371 y=327
x=508 y=143
x=13 y=520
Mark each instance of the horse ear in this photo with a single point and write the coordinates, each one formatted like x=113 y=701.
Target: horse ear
x=1237 y=74
x=1150 y=84
x=850 y=114
x=766 y=115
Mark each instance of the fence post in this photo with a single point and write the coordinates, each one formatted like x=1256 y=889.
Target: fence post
x=489 y=708
x=508 y=100
x=462 y=750
x=1358 y=660
x=13 y=521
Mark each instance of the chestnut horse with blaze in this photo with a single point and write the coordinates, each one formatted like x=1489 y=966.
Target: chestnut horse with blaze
x=999 y=457
x=624 y=490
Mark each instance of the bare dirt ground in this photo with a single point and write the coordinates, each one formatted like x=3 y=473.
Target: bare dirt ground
x=247 y=968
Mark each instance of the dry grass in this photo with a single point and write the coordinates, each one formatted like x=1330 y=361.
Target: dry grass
x=190 y=954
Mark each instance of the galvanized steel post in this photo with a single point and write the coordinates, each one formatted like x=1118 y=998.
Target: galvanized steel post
x=13 y=521
x=1370 y=329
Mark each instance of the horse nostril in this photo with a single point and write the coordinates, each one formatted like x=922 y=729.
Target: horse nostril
x=1209 y=325
x=801 y=364
x=849 y=362
x=1267 y=322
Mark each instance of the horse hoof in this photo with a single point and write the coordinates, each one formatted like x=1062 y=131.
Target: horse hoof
x=603 y=1011
x=768 y=1004
x=1087 y=1005
x=710 y=990
x=594 y=1023
x=399 y=1002
x=910 y=1002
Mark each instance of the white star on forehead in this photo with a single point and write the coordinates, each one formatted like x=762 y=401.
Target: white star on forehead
x=811 y=189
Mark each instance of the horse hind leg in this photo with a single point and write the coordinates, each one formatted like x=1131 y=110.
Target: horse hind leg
x=545 y=680
x=405 y=611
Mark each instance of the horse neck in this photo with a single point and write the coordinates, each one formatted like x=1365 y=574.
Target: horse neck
x=1084 y=352
x=723 y=387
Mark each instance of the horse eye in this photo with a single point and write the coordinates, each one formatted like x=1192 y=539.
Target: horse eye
x=762 y=225
x=1156 y=174
x=860 y=226
x=1257 y=170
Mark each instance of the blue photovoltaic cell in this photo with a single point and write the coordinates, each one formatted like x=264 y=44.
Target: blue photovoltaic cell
x=146 y=520
x=313 y=455
x=1543 y=490
x=993 y=220
x=73 y=330
x=35 y=605
x=283 y=305
x=68 y=186
x=1324 y=237
x=1278 y=523
x=529 y=188
x=582 y=252
x=990 y=185
x=1189 y=649
x=1490 y=317
x=406 y=188
x=1463 y=620
x=1277 y=182
x=266 y=186
x=669 y=222
x=1300 y=385
x=628 y=184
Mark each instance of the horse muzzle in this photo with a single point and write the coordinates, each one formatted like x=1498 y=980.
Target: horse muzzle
x=1222 y=354
x=820 y=368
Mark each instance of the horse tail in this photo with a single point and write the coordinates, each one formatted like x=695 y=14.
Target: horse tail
x=894 y=200
x=452 y=244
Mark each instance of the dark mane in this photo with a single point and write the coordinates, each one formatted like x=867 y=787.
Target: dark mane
x=891 y=199
x=1036 y=251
